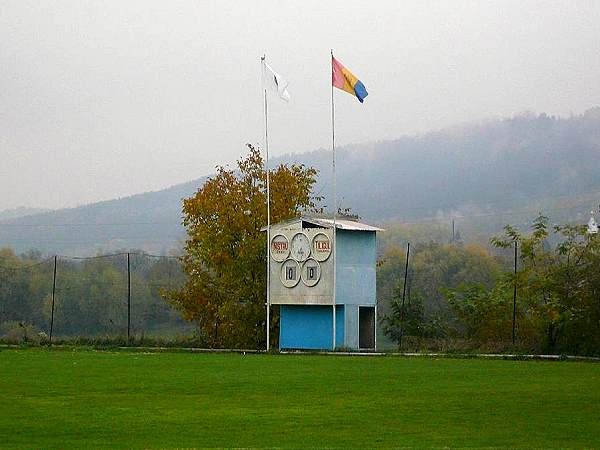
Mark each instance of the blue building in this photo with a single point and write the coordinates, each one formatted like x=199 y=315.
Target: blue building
x=302 y=282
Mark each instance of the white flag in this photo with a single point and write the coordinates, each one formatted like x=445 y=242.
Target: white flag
x=274 y=82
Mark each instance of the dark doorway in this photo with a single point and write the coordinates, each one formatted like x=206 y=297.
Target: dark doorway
x=366 y=327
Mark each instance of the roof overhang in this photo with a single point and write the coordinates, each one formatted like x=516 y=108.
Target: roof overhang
x=340 y=224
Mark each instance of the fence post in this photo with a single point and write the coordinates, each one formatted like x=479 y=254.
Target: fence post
x=514 y=318
x=128 y=297
x=403 y=296
x=53 y=293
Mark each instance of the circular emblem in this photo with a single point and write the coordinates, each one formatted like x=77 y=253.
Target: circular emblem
x=280 y=247
x=300 y=247
x=290 y=273
x=311 y=272
x=321 y=247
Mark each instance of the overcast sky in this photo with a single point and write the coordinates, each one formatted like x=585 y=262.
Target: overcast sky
x=107 y=99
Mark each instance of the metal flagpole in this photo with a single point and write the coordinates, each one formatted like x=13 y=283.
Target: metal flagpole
x=268 y=206
x=334 y=200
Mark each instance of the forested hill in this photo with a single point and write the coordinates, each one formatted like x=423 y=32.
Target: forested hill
x=494 y=167
x=149 y=221
x=497 y=165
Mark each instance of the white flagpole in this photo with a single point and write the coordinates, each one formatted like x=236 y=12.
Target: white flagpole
x=334 y=201
x=264 y=89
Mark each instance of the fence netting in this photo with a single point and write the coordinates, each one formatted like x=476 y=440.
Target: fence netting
x=116 y=296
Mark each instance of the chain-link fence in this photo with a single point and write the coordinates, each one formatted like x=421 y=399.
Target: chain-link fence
x=116 y=296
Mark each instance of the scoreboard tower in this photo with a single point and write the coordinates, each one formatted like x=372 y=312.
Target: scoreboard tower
x=301 y=282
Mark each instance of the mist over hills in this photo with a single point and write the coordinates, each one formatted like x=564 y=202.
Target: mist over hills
x=14 y=213
x=496 y=165
x=150 y=221
x=493 y=172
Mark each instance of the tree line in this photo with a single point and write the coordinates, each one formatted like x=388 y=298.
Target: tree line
x=91 y=296
x=454 y=295
x=470 y=297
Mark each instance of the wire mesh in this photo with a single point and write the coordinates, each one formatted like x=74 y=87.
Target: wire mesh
x=119 y=295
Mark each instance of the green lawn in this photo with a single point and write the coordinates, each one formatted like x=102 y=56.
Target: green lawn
x=83 y=398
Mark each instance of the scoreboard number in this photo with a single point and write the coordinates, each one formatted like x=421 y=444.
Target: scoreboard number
x=290 y=273
x=311 y=272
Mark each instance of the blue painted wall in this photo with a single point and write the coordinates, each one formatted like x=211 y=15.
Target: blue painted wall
x=351 y=326
x=310 y=327
x=356 y=259
x=340 y=326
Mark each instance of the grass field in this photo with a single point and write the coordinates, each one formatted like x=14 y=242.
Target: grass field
x=83 y=398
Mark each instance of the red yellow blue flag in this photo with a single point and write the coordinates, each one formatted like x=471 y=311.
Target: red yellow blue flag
x=345 y=80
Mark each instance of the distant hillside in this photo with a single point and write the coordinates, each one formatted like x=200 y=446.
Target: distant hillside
x=491 y=173
x=149 y=221
x=493 y=166
x=20 y=212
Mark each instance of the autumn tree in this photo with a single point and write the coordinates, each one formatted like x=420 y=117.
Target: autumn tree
x=225 y=251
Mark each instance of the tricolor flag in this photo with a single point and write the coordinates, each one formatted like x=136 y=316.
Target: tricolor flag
x=345 y=80
x=274 y=82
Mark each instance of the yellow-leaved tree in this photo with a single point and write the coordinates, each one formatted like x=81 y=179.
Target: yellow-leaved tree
x=225 y=251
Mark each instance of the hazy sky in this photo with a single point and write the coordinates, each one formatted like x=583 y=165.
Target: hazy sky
x=110 y=98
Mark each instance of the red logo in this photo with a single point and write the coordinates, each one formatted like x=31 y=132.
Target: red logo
x=322 y=246
x=279 y=246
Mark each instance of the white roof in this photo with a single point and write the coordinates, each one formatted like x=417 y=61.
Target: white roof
x=340 y=224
